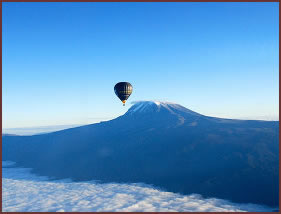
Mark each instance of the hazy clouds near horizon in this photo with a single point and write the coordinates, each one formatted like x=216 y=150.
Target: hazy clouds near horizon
x=47 y=129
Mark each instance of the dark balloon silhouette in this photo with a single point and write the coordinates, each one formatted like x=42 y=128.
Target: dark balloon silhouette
x=123 y=90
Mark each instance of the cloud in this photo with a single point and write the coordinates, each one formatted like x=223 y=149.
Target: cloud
x=37 y=130
x=27 y=192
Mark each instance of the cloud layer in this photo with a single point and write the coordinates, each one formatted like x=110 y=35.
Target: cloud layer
x=26 y=192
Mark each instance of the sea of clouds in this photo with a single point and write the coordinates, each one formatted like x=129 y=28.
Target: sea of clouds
x=24 y=191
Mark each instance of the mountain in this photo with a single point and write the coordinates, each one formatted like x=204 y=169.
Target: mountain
x=163 y=144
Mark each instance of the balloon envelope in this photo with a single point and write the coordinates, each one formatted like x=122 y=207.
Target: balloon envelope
x=123 y=90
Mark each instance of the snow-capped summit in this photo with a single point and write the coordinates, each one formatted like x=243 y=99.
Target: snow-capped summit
x=145 y=106
x=160 y=106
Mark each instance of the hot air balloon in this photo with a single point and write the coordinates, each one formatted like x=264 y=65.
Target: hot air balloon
x=123 y=90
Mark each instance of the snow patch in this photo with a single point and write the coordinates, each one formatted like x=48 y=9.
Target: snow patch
x=142 y=106
x=157 y=106
x=157 y=103
x=145 y=106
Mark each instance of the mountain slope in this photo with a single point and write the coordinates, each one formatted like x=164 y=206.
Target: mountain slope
x=166 y=145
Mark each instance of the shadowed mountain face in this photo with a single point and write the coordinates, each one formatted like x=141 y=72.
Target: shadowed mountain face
x=166 y=145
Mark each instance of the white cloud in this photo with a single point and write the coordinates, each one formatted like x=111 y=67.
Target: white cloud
x=26 y=192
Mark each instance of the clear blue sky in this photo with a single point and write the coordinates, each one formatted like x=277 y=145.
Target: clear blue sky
x=62 y=60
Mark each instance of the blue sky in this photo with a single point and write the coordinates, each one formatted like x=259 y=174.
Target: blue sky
x=62 y=60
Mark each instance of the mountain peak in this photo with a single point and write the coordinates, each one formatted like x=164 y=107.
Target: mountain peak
x=156 y=102
x=155 y=106
x=147 y=106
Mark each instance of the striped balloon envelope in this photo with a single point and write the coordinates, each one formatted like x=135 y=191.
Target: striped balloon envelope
x=123 y=90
